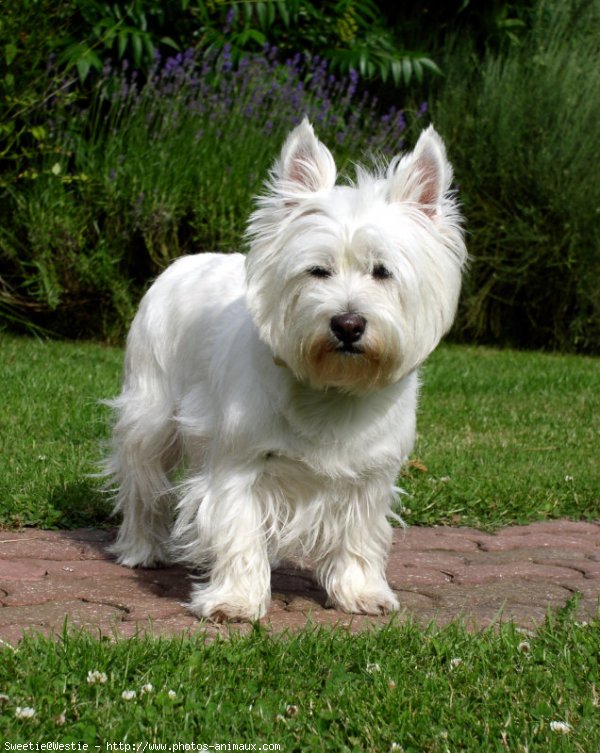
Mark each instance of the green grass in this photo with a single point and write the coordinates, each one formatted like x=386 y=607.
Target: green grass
x=320 y=690
x=51 y=429
x=504 y=436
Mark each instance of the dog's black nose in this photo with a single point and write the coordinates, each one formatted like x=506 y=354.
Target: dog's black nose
x=348 y=328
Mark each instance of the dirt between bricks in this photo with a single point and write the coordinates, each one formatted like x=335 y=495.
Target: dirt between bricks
x=439 y=574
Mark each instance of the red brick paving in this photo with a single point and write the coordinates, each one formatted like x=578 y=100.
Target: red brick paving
x=439 y=574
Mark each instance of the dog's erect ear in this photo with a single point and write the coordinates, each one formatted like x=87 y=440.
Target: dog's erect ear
x=305 y=163
x=424 y=176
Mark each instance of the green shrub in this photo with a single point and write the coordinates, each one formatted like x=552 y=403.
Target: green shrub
x=523 y=134
x=150 y=172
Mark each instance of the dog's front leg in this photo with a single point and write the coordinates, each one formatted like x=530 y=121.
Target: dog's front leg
x=353 y=571
x=231 y=529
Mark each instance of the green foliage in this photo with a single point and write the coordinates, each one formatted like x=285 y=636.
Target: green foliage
x=351 y=34
x=496 y=23
x=148 y=172
x=28 y=36
x=130 y=30
x=70 y=280
x=378 y=56
x=522 y=132
x=520 y=123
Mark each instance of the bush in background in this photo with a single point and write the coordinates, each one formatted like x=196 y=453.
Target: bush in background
x=522 y=131
x=105 y=176
x=151 y=170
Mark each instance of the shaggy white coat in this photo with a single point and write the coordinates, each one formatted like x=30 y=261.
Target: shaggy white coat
x=290 y=443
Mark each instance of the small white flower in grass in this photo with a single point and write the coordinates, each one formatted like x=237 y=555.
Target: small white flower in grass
x=568 y=478
x=563 y=728
x=525 y=631
x=147 y=688
x=172 y=694
x=456 y=662
x=128 y=695
x=61 y=719
x=96 y=678
x=524 y=647
x=372 y=668
x=24 y=712
x=4 y=699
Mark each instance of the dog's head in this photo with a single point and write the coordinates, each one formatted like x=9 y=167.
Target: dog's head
x=352 y=286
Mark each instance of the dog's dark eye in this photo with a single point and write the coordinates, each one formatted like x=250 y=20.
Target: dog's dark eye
x=381 y=272
x=319 y=272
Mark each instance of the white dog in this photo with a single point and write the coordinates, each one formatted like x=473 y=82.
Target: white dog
x=281 y=386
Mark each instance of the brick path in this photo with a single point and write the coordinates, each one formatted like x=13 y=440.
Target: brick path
x=438 y=573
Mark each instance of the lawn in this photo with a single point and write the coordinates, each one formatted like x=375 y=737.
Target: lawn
x=503 y=437
x=396 y=689
x=506 y=437
x=51 y=429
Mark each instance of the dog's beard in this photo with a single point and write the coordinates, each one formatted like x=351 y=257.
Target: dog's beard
x=362 y=367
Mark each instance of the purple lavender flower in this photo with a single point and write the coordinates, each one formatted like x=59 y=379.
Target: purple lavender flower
x=169 y=67
x=229 y=19
x=353 y=76
x=184 y=96
x=226 y=58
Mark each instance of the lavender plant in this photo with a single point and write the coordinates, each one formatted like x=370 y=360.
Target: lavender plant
x=168 y=165
x=196 y=140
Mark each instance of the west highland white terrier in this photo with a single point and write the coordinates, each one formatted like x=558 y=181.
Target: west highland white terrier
x=269 y=400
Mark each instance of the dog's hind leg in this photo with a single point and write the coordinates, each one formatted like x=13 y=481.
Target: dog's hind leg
x=145 y=451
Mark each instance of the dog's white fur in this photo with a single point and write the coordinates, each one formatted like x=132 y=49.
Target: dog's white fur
x=291 y=440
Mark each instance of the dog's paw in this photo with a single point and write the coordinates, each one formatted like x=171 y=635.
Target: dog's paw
x=378 y=601
x=219 y=606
